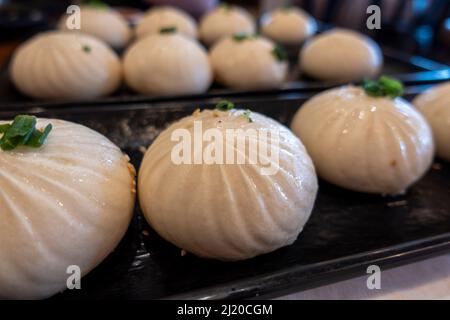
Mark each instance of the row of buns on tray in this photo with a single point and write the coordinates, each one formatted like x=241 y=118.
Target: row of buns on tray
x=68 y=193
x=165 y=58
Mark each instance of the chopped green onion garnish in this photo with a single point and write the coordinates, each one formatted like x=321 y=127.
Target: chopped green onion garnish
x=372 y=88
x=247 y=114
x=4 y=127
x=225 y=6
x=86 y=48
x=393 y=87
x=287 y=7
x=225 y=105
x=171 y=29
x=238 y=37
x=384 y=86
x=21 y=126
x=38 y=137
x=22 y=131
x=279 y=53
x=98 y=4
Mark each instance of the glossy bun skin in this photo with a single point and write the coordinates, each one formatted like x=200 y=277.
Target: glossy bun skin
x=362 y=143
x=66 y=203
x=435 y=106
x=228 y=211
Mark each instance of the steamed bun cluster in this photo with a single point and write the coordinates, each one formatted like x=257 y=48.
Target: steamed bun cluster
x=50 y=66
x=70 y=201
x=435 y=106
x=228 y=212
x=65 y=65
x=66 y=203
x=375 y=145
x=104 y=23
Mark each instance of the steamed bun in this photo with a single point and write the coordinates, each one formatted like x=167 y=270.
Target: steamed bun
x=164 y=17
x=251 y=63
x=288 y=26
x=228 y=211
x=167 y=63
x=435 y=106
x=375 y=145
x=341 y=55
x=67 y=203
x=225 y=20
x=65 y=65
x=104 y=23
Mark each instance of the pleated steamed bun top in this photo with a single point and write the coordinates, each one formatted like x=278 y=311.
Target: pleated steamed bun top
x=218 y=208
x=66 y=203
x=101 y=22
x=288 y=25
x=65 y=65
x=364 y=143
x=161 y=17
x=435 y=106
x=225 y=20
x=167 y=63
x=248 y=62
x=341 y=55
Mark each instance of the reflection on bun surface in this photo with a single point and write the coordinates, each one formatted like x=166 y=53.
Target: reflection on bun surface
x=367 y=144
x=66 y=203
x=228 y=211
x=435 y=106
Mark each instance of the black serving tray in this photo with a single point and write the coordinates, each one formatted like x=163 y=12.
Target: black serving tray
x=347 y=232
x=412 y=70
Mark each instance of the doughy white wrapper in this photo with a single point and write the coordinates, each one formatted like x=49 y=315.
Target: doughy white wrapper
x=223 y=22
x=341 y=55
x=362 y=143
x=288 y=26
x=105 y=24
x=247 y=64
x=228 y=211
x=66 y=203
x=435 y=106
x=163 y=17
x=65 y=65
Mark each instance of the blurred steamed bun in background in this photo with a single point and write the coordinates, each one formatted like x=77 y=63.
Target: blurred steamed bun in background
x=161 y=17
x=194 y=7
x=94 y=18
